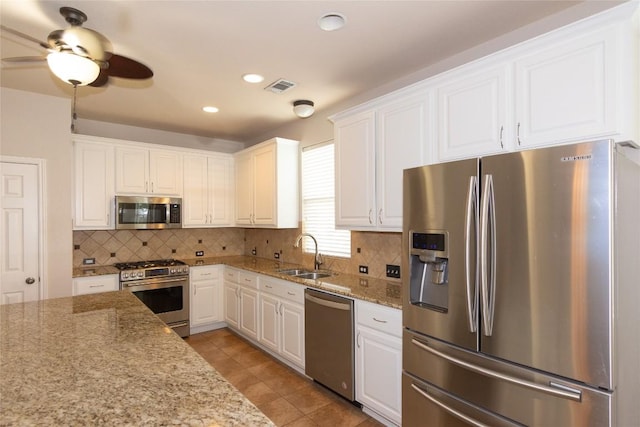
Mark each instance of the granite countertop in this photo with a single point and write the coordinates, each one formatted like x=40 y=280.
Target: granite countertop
x=94 y=270
x=378 y=291
x=107 y=359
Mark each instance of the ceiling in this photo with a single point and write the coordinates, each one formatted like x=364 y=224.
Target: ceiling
x=199 y=50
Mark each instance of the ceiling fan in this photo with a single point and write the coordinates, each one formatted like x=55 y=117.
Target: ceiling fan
x=81 y=56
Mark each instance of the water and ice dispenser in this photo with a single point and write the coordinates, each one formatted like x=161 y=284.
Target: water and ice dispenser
x=429 y=270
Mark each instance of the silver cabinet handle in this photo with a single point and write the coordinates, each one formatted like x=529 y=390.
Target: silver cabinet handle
x=290 y=293
x=379 y=321
x=518 y=134
x=146 y=186
x=96 y=286
x=30 y=281
x=380 y=217
x=267 y=286
x=370 y=212
x=152 y=186
x=501 y=132
x=358 y=339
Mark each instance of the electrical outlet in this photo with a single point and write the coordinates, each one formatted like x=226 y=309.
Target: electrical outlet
x=393 y=271
x=276 y=255
x=199 y=253
x=364 y=269
x=88 y=261
x=254 y=251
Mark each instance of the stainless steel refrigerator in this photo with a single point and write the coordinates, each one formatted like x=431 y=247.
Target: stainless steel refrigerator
x=522 y=302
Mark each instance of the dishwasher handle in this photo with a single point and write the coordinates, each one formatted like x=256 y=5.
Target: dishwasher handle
x=327 y=303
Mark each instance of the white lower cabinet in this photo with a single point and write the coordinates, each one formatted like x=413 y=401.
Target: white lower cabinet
x=95 y=284
x=281 y=326
x=241 y=302
x=206 y=301
x=379 y=361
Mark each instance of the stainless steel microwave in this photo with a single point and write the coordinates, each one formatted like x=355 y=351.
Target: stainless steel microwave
x=141 y=212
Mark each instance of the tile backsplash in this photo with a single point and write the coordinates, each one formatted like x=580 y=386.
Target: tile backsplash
x=111 y=246
x=374 y=250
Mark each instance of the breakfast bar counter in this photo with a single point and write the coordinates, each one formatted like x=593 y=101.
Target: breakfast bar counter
x=106 y=359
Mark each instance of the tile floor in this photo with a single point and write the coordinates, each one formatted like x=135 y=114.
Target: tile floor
x=282 y=394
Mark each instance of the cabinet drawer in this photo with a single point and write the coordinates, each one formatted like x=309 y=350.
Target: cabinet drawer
x=248 y=279
x=204 y=273
x=290 y=291
x=230 y=275
x=378 y=317
x=95 y=284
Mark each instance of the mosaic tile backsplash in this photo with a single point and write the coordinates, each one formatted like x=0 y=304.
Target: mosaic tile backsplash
x=374 y=250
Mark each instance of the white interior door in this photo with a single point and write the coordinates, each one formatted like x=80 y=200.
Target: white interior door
x=19 y=233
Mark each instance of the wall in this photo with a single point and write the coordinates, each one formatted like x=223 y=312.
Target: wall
x=374 y=250
x=111 y=246
x=38 y=126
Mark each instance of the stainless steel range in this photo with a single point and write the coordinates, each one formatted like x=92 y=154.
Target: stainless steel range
x=163 y=285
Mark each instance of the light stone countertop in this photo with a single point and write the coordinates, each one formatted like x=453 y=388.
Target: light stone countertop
x=378 y=291
x=106 y=359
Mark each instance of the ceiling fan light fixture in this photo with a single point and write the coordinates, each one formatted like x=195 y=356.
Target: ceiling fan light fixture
x=303 y=108
x=73 y=69
x=332 y=21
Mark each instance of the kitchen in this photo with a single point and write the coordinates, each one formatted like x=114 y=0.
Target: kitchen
x=53 y=115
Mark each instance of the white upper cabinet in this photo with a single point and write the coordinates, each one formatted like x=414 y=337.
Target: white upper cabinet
x=372 y=149
x=474 y=112
x=148 y=171
x=267 y=185
x=568 y=91
x=94 y=185
x=208 y=190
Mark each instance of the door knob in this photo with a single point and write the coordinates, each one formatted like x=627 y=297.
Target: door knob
x=30 y=281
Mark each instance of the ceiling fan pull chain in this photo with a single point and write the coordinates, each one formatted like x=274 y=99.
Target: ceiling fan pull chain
x=74 y=116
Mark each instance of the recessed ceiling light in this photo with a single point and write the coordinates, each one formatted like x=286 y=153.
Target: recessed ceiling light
x=332 y=21
x=210 y=109
x=252 y=78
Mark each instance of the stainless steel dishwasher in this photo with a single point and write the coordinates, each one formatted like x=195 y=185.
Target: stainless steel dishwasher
x=329 y=352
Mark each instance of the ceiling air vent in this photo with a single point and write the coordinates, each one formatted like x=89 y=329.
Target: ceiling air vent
x=280 y=86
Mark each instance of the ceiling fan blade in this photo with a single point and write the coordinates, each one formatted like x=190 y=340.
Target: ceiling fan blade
x=24 y=36
x=121 y=66
x=25 y=59
x=102 y=79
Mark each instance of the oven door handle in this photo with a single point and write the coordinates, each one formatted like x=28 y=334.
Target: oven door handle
x=133 y=284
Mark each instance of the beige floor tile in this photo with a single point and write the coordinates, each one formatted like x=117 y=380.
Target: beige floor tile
x=288 y=382
x=268 y=370
x=241 y=379
x=259 y=393
x=226 y=365
x=308 y=399
x=252 y=357
x=338 y=414
x=302 y=422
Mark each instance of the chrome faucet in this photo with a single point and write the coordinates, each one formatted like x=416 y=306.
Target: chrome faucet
x=317 y=259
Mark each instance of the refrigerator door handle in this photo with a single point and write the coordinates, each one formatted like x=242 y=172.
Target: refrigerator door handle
x=564 y=392
x=447 y=408
x=470 y=239
x=488 y=255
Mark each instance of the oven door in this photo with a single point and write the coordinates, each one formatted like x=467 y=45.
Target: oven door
x=168 y=298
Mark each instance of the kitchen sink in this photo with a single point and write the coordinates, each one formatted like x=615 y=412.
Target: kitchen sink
x=313 y=275
x=304 y=273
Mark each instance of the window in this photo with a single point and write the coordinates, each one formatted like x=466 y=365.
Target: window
x=318 y=203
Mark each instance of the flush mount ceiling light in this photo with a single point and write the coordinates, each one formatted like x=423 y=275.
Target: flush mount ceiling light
x=73 y=69
x=303 y=108
x=210 y=109
x=331 y=21
x=252 y=78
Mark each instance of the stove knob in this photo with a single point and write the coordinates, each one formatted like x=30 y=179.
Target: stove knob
x=125 y=275
x=185 y=269
x=172 y=271
x=140 y=273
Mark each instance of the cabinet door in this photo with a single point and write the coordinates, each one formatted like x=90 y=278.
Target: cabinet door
x=196 y=195
x=94 y=186
x=269 y=322
x=264 y=181
x=292 y=332
x=220 y=173
x=472 y=116
x=355 y=171
x=379 y=372
x=402 y=133
x=567 y=92
x=95 y=284
x=205 y=302
x=132 y=170
x=249 y=312
x=244 y=189
x=231 y=304
x=165 y=172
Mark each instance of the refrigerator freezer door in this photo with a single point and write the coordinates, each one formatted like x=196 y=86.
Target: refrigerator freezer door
x=517 y=394
x=439 y=227
x=551 y=305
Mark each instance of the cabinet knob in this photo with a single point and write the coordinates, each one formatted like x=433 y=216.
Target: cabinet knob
x=30 y=281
